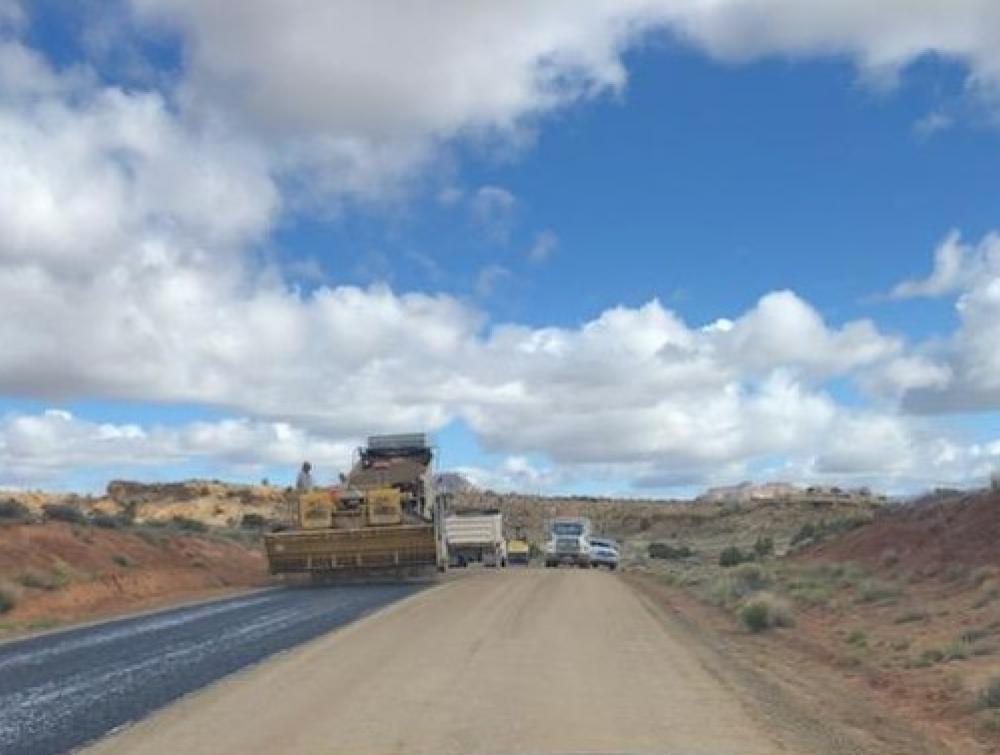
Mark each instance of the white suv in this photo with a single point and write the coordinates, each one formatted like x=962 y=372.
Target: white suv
x=604 y=552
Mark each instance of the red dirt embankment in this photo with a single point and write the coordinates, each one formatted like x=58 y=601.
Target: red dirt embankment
x=926 y=536
x=62 y=573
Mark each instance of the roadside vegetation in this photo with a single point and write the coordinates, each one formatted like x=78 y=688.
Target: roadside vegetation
x=905 y=597
x=72 y=557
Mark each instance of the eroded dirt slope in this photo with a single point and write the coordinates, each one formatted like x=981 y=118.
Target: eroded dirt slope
x=60 y=573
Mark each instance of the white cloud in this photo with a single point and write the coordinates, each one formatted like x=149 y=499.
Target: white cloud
x=515 y=474
x=782 y=329
x=956 y=266
x=45 y=447
x=543 y=247
x=895 y=377
x=11 y=15
x=960 y=372
x=126 y=216
x=369 y=91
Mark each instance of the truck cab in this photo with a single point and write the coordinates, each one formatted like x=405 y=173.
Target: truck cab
x=568 y=542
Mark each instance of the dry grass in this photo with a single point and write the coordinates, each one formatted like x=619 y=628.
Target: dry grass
x=10 y=596
x=765 y=611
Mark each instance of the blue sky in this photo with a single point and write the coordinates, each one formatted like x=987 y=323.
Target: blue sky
x=698 y=164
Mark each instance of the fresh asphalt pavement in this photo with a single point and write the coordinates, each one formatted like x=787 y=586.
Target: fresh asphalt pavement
x=62 y=690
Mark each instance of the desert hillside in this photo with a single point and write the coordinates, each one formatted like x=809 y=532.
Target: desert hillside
x=903 y=599
x=64 y=559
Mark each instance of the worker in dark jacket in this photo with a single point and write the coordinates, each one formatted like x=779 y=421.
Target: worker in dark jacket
x=304 y=482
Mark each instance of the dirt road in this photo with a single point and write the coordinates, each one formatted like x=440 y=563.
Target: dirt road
x=522 y=661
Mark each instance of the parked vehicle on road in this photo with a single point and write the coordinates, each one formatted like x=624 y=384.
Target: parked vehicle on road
x=604 y=552
x=476 y=537
x=518 y=549
x=568 y=542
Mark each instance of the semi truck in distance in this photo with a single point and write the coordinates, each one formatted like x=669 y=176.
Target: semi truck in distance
x=385 y=518
x=568 y=542
x=476 y=536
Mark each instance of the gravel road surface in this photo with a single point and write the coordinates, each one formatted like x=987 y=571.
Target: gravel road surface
x=519 y=661
x=62 y=690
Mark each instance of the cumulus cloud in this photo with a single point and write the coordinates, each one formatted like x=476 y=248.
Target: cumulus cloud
x=957 y=266
x=869 y=447
x=961 y=372
x=515 y=474
x=782 y=329
x=361 y=95
x=39 y=448
x=128 y=218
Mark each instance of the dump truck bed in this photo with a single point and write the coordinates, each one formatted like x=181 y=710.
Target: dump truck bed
x=329 y=550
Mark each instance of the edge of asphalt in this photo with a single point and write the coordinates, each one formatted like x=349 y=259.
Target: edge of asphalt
x=167 y=604
x=345 y=629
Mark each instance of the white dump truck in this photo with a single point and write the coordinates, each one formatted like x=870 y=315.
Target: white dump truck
x=475 y=536
x=568 y=542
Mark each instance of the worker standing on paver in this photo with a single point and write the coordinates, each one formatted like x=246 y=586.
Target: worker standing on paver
x=304 y=482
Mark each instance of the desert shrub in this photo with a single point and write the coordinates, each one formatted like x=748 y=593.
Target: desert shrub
x=42 y=580
x=806 y=532
x=975 y=634
x=858 y=638
x=982 y=574
x=122 y=560
x=667 y=551
x=989 y=696
x=14 y=511
x=751 y=576
x=989 y=722
x=10 y=595
x=107 y=521
x=253 y=521
x=914 y=614
x=816 y=532
x=764 y=611
x=931 y=656
x=877 y=591
x=61 y=512
x=956 y=651
x=764 y=546
x=738 y=583
x=152 y=535
x=811 y=594
x=889 y=558
x=733 y=556
x=188 y=525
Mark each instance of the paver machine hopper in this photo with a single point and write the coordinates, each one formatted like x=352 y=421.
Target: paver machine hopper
x=385 y=518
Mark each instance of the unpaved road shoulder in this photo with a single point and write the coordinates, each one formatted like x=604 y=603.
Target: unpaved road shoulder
x=527 y=661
